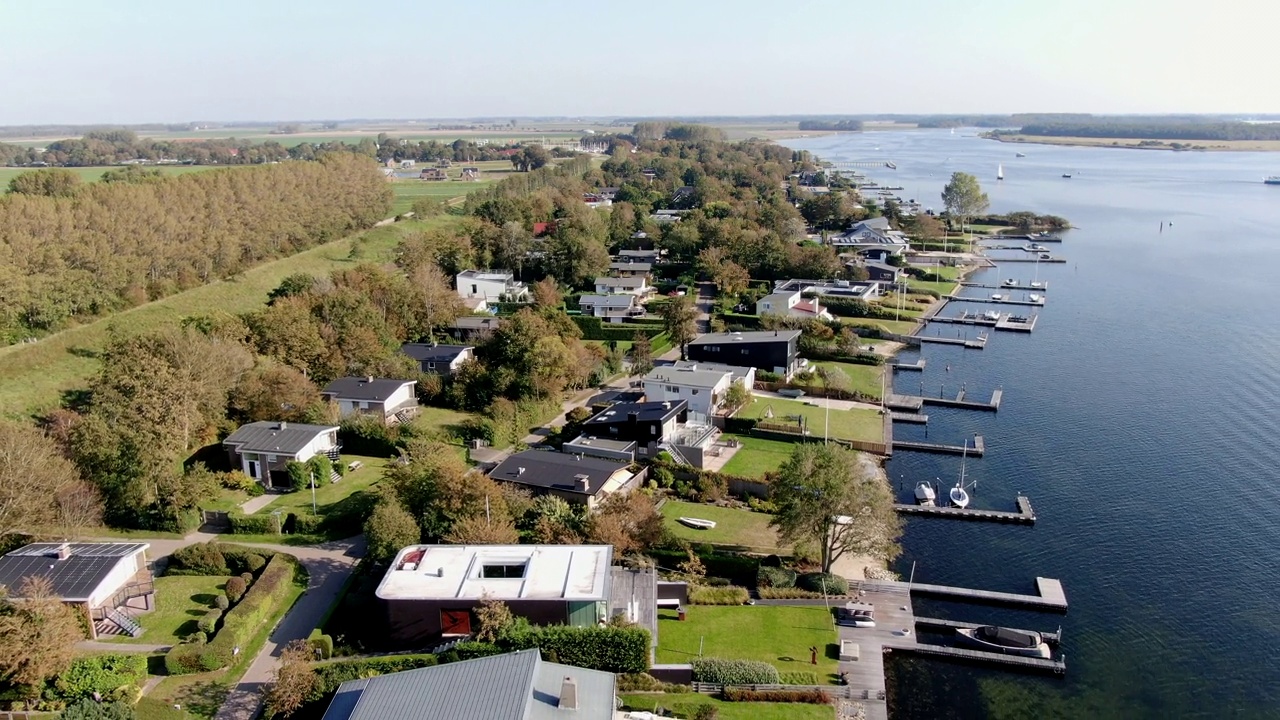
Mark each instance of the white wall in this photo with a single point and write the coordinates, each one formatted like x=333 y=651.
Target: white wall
x=117 y=578
x=704 y=402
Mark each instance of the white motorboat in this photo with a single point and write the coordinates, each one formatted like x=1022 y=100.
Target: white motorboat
x=1007 y=641
x=997 y=296
x=1037 y=285
x=1011 y=281
x=697 y=523
x=1000 y=172
x=1021 y=154
x=1035 y=298
x=925 y=495
x=991 y=315
x=959 y=496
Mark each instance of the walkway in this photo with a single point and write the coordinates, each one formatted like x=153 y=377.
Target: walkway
x=253 y=505
x=578 y=400
x=121 y=647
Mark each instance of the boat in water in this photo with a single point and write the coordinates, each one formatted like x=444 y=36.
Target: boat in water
x=697 y=523
x=925 y=495
x=1033 y=297
x=1000 y=172
x=1021 y=155
x=1011 y=282
x=997 y=296
x=991 y=315
x=1037 y=285
x=1066 y=175
x=959 y=496
x=1273 y=180
x=1007 y=641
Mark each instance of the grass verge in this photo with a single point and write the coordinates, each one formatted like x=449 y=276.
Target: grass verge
x=686 y=704
x=745 y=529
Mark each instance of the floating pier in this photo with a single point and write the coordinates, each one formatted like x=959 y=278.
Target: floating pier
x=1050 y=638
x=1044 y=285
x=1057 y=667
x=915 y=402
x=1017 y=323
x=1033 y=238
x=1028 y=260
x=903 y=417
x=976 y=449
x=993 y=301
x=903 y=402
x=1051 y=595
x=978 y=344
x=917 y=366
x=1024 y=516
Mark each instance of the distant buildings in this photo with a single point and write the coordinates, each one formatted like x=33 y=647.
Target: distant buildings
x=791 y=304
x=872 y=234
x=439 y=359
x=867 y=291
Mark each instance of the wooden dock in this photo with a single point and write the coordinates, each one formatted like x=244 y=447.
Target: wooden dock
x=1051 y=596
x=1050 y=638
x=1024 y=516
x=976 y=449
x=910 y=403
x=1055 y=259
x=966 y=318
x=1058 y=667
x=1014 y=323
x=1044 y=285
x=962 y=403
x=903 y=417
x=897 y=365
x=993 y=301
x=978 y=344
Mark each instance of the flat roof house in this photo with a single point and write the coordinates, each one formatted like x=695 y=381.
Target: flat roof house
x=775 y=351
x=791 y=304
x=109 y=582
x=515 y=686
x=438 y=359
x=491 y=286
x=638 y=286
x=867 y=291
x=391 y=401
x=584 y=480
x=431 y=591
x=703 y=390
x=471 y=327
x=650 y=427
x=262 y=449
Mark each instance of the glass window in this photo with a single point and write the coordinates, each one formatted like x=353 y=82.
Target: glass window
x=501 y=571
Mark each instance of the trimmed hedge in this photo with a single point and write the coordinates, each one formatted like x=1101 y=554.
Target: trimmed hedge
x=644 y=682
x=242 y=524
x=813 y=697
x=239 y=624
x=593 y=328
x=704 y=595
x=611 y=649
x=775 y=577
x=722 y=671
x=790 y=593
x=321 y=642
x=823 y=582
x=330 y=675
x=472 y=650
x=201 y=559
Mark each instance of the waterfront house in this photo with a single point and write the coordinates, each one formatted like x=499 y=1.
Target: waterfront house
x=791 y=304
x=873 y=233
x=390 y=401
x=866 y=291
x=581 y=480
x=107 y=583
x=262 y=449
x=703 y=390
x=775 y=351
x=442 y=360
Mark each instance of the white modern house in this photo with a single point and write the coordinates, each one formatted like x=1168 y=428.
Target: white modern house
x=490 y=286
x=262 y=449
x=791 y=304
x=638 y=286
x=390 y=401
x=856 y=290
x=703 y=390
x=614 y=307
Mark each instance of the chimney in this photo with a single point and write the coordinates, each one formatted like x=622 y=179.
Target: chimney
x=368 y=378
x=283 y=425
x=64 y=551
x=519 y=471
x=581 y=482
x=568 y=695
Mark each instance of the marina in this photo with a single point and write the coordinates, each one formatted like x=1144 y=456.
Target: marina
x=1024 y=516
x=1053 y=259
x=896 y=401
x=1038 y=286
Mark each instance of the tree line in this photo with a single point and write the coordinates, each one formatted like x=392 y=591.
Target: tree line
x=70 y=251
x=1157 y=130
x=832 y=125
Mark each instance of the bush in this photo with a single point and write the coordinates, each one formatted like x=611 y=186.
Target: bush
x=798 y=678
x=768 y=593
x=247 y=577
x=321 y=642
x=221 y=602
x=775 y=577
x=823 y=583
x=813 y=697
x=241 y=524
x=306 y=524
x=255 y=562
x=739 y=569
x=706 y=712
x=330 y=675
x=471 y=650
x=209 y=623
x=611 y=649
x=198 y=637
x=721 y=671
x=299 y=475
x=90 y=709
x=241 y=559
x=731 y=595
x=644 y=682
x=113 y=676
x=183 y=659
x=594 y=328
x=201 y=559
x=236 y=587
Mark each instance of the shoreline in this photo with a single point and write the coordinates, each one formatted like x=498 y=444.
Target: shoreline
x=1135 y=143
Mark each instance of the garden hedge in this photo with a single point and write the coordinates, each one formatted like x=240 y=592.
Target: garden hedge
x=264 y=524
x=776 y=577
x=611 y=649
x=722 y=671
x=705 y=595
x=814 y=697
x=330 y=675
x=828 y=583
x=593 y=328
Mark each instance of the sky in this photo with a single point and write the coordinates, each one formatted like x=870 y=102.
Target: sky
x=135 y=61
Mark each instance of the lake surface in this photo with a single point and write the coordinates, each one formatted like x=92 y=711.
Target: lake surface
x=1140 y=418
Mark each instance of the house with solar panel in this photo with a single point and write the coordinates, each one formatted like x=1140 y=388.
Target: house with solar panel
x=110 y=583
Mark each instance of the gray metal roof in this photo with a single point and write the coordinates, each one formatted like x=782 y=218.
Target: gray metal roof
x=618 y=413
x=515 y=686
x=275 y=437
x=633 y=282
x=364 y=388
x=614 y=301
x=76 y=577
x=426 y=352
x=553 y=470
x=477 y=322
x=636 y=266
x=749 y=337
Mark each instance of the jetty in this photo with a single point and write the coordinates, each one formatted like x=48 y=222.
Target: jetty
x=915 y=418
x=940 y=624
x=977 y=344
x=1024 y=516
x=1058 y=667
x=1053 y=259
x=913 y=403
x=897 y=365
x=977 y=449
x=1050 y=595
x=993 y=301
x=1025 y=236
x=1006 y=285
x=1017 y=323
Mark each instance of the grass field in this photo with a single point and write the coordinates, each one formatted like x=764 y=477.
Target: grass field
x=901 y=327
x=756 y=456
x=686 y=704
x=180 y=602
x=408 y=192
x=780 y=635
x=856 y=424
x=92 y=174
x=734 y=527
x=35 y=374
x=865 y=379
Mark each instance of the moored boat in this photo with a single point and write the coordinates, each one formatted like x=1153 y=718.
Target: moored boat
x=1273 y=180
x=991 y=315
x=997 y=296
x=959 y=496
x=925 y=495
x=1006 y=640
x=1035 y=298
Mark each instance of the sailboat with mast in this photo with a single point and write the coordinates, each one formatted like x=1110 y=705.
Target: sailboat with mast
x=960 y=496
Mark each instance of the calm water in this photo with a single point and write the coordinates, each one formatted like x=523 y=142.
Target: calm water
x=1139 y=417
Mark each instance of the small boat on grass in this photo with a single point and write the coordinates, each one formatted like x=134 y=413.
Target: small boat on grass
x=1006 y=640
x=697 y=523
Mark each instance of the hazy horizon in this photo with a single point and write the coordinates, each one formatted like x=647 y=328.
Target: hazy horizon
x=145 y=61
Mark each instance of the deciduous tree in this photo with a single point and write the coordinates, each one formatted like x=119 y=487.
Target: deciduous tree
x=33 y=475
x=628 y=522
x=680 y=319
x=38 y=634
x=294 y=680
x=963 y=197
x=390 y=529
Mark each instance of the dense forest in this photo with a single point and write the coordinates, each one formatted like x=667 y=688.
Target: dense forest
x=73 y=251
x=832 y=125
x=1155 y=129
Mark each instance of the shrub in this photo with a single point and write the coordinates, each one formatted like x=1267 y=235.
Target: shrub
x=255 y=562
x=306 y=524
x=247 y=577
x=775 y=577
x=330 y=675
x=299 y=475
x=90 y=709
x=611 y=649
x=644 y=682
x=721 y=671
x=768 y=593
x=321 y=642
x=236 y=587
x=470 y=650
x=241 y=559
x=264 y=524
x=798 y=678
x=209 y=623
x=183 y=659
x=814 y=697
x=823 y=583
x=201 y=559
x=221 y=602
x=731 y=595
x=706 y=712
x=198 y=637
x=113 y=676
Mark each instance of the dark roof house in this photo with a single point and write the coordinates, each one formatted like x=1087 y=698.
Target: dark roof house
x=97 y=578
x=515 y=686
x=572 y=477
x=441 y=359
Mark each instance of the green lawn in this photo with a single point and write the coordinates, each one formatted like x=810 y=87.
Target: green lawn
x=37 y=373
x=92 y=174
x=777 y=634
x=857 y=424
x=757 y=456
x=745 y=529
x=408 y=192
x=901 y=327
x=180 y=602
x=685 y=704
x=865 y=379
x=327 y=494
